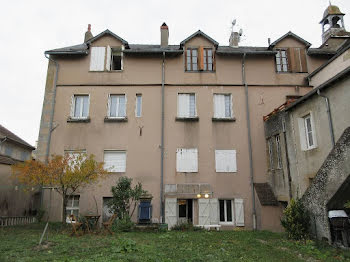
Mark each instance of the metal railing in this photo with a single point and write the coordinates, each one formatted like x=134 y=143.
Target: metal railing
x=17 y=220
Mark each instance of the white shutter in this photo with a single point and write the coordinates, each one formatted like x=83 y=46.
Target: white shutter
x=183 y=105
x=170 y=212
x=225 y=161
x=187 y=160
x=115 y=161
x=302 y=134
x=313 y=129
x=108 y=58
x=179 y=160
x=97 y=60
x=214 y=214
x=193 y=154
x=219 y=106
x=204 y=212
x=239 y=212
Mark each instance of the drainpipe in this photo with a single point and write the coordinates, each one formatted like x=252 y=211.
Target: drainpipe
x=52 y=111
x=251 y=170
x=329 y=116
x=162 y=147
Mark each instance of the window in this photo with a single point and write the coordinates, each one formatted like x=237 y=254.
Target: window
x=25 y=155
x=222 y=106
x=278 y=151
x=8 y=150
x=117 y=106
x=115 y=161
x=80 y=108
x=72 y=207
x=187 y=160
x=113 y=55
x=207 y=59
x=226 y=211
x=307 y=132
x=225 y=161
x=192 y=59
x=138 y=108
x=74 y=156
x=270 y=146
x=281 y=60
x=186 y=106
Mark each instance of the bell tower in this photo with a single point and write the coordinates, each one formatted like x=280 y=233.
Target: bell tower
x=332 y=24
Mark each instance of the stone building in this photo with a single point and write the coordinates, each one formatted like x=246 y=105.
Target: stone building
x=185 y=120
x=14 y=201
x=307 y=140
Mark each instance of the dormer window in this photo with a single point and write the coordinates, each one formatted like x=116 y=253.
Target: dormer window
x=281 y=60
x=116 y=58
x=291 y=60
x=110 y=59
x=199 y=59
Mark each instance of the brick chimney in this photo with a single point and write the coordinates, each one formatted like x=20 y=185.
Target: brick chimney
x=164 y=35
x=88 y=34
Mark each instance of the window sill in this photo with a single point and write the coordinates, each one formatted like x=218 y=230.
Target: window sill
x=187 y=119
x=226 y=223
x=310 y=148
x=200 y=71
x=78 y=120
x=112 y=119
x=107 y=71
x=224 y=119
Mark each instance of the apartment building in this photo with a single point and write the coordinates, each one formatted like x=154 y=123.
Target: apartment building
x=185 y=120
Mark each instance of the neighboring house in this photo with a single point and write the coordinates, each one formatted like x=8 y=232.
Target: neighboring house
x=184 y=120
x=308 y=142
x=14 y=201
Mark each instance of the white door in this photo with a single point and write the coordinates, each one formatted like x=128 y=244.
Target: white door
x=170 y=212
x=203 y=212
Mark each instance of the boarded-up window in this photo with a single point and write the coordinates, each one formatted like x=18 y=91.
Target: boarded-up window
x=115 y=161
x=186 y=105
x=225 y=161
x=187 y=160
x=97 y=59
x=222 y=106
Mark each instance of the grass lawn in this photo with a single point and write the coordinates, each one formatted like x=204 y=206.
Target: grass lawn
x=20 y=244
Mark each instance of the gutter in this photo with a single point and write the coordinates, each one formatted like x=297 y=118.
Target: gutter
x=330 y=123
x=251 y=170
x=162 y=147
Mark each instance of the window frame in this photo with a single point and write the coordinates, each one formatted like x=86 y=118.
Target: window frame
x=191 y=59
x=307 y=131
x=138 y=105
x=278 y=151
x=280 y=58
x=115 y=151
x=109 y=58
x=225 y=212
x=72 y=208
x=117 y=107
x=230 y=106
x=303 y=132
x=189 y=105
x=206 y=59
x=73 y=106
x=270 y=149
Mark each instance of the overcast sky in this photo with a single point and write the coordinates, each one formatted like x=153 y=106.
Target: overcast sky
x=28 y=28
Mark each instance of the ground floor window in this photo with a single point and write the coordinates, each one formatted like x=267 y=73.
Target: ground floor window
x=185 y=210
x=225 y=208
x=72 y=207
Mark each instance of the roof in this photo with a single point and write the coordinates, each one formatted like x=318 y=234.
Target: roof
x=81 y=49
x=328 y=83
x=320 y=51
x=7 y=160
x=107 y=32
x=341 y=50
x=331 y=10
x=153 y=49
x=280 y=108
x=265 y=194
x=199 y=33
x=5 y=133
x=228 y=50
x=290 y=34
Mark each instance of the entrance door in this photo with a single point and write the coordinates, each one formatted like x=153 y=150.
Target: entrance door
x=185 y=207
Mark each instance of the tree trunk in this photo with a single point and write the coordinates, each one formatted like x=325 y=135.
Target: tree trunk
x=64 y=206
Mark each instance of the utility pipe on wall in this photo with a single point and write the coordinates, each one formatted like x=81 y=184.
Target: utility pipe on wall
x=328 y=108
x=162 y=147
x=251 y=170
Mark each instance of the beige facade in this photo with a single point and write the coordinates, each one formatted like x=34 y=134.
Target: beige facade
x=235 y=70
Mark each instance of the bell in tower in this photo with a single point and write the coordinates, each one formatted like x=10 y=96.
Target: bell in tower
x=333 y=27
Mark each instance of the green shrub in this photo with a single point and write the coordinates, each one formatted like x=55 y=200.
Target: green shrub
x=183 y=226
x=295 y=220
x=40 y=215
x=123 y=224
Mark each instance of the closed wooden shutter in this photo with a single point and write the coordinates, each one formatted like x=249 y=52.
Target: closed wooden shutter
x=170 y=212
x=214 y=214
x=201 y=58
x=203 y=211
x=219 y=106
x=239 y=212
x=291 y=60
x=187 y=160
x=108 y=58
x=183 y=105
x=225 y=161
x=97 y=60
x=115 y=161
x=303 y=62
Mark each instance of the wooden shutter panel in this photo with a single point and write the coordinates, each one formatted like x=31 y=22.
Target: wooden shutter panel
x=108 y=58
x=291 y=59
x=203 y=211
x=214 y=214
x=201 y=57
x=170 y=212
x=303 y=62
x=239 y=212
x=97 y=60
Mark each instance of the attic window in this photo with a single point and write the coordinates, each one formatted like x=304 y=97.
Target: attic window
x=199 y=59
x=281 y=60
x=116 y=59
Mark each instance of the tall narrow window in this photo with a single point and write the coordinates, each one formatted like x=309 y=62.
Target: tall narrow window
x=192 y=59
x=117 y=106
x=225 y=208
x=270 y=146
x=278 y=152
x=72 y=207
x=80 y=106
x=138 y=109
x=186 y=106
x=222 y=106
x=281 y=60
x=208 y=59
x=308 y=131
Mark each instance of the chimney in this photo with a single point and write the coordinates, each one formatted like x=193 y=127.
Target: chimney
x=234 y=39
x=88 y=34
x=269 y=41
x=164 y=35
